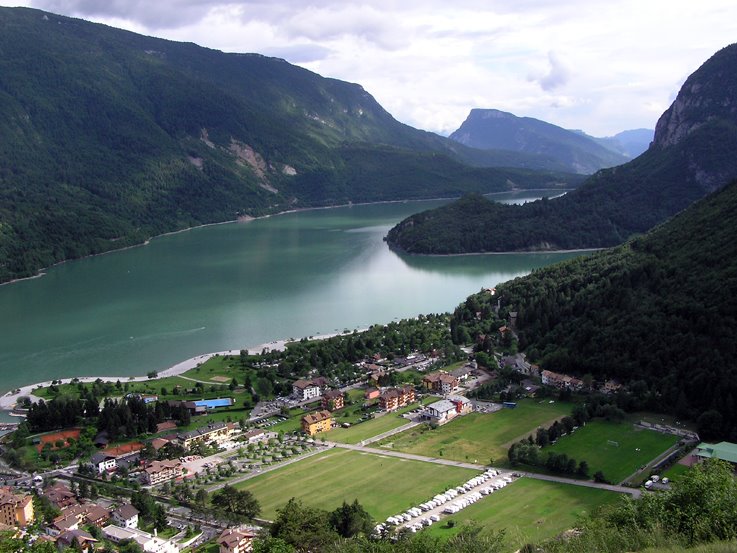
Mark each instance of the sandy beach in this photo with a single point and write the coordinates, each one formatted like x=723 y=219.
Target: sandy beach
x=9 y=400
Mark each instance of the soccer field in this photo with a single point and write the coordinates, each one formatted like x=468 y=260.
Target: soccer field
x=616 y=449
x=383 y=485
x=529 y=510
x=479 y=437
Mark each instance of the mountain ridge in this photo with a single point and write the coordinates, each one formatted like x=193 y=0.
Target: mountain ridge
x=692 y=154
x=108 y=137
x=656 y=313
x=496 y=129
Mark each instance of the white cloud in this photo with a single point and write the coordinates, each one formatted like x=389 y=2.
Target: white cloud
x=596 y=65
x=557 y=75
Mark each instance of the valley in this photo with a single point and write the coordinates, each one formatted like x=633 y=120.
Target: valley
x=317 y=329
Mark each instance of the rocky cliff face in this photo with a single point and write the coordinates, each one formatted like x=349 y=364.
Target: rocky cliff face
x=709 y=95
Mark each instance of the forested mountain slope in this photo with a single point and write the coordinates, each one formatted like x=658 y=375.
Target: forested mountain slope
x=495 y=129
x=108 y=137
x=693 y=153
x=659 y=310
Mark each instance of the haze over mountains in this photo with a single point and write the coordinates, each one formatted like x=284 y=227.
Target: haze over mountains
x=692 y=154
x=108 y=138
x=581 y=153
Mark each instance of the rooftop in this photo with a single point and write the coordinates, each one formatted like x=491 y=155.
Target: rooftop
x=726 y=451
x=442 y=406
x=317 y=416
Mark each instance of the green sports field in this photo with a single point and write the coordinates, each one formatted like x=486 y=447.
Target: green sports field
x=479 y=437
x=595 y=443
x=529 y=510
x=372 y=427
x=383 y=485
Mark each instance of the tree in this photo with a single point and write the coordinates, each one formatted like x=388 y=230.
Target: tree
x=306 y=528
x=201 y=498
x=11 y=544
x=710 y=424
x=271 y=545
x=264 y=387
x=160 y=520
x=351 y=520
x=542 y=438
x=236 y=504
x=599 y=477
x=583 y=469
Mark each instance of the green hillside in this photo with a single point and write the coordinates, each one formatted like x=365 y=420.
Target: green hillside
x=108 y=137
x=659 y=313
x=692 y=154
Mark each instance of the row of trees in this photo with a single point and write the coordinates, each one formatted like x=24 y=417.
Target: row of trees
x=126 y=418
x=529 y=453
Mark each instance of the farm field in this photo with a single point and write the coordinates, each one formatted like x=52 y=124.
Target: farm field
x=479 y=437
x=529 y=510
x=372 y=427
x=383 y=485
x=594 y=444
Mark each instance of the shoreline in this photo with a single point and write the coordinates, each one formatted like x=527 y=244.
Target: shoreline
x=513 y=252
x=248 y=218
x=9 y=400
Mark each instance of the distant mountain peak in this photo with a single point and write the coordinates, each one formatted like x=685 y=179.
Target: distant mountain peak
x=486 y=128
x=692 y=154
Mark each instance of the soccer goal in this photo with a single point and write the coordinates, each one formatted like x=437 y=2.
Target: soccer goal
x=612 y=443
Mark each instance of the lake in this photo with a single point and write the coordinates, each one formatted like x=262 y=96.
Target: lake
x=233 y=286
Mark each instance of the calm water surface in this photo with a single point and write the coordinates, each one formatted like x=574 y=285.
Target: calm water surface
x=232 y=286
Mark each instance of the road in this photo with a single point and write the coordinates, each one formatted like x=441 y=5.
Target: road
x=388 y=433
x=263 y=471
x=634 y=492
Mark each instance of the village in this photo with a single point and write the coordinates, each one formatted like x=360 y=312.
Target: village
x=383 y=415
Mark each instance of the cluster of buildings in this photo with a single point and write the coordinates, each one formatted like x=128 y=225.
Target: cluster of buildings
x=128 y=456
x=561 y=381
x=390 y=400
x=115 y=524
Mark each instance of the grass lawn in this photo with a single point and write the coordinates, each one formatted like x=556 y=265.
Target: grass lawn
x=218 y=367
x=676 y=472
x=372 y=427
x=637 y=447
x=529 y=510
x=383 y=485
x=480 y=436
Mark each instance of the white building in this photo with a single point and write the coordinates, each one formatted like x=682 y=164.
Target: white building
x=305 y=389
x=102 y=462
x=149 y=543
x=446 y=410
x=126 y=516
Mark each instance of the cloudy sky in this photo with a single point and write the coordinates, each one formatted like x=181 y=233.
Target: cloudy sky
x=600 y=66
